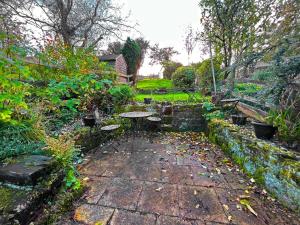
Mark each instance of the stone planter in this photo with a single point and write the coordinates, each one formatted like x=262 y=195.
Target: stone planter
x=239 y=119
x=263 y=130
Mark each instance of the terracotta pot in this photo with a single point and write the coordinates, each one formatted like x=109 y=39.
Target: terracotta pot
x=263 y=130
x=239 y=119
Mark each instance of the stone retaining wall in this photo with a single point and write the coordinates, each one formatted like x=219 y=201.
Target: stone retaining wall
x=181 y=117
x=188 y=118
x=277 y=169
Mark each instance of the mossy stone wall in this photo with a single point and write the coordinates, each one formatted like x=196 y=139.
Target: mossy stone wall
x=277 y=169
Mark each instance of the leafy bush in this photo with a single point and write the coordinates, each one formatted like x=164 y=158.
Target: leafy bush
x=72 y=92
x=288 y=126
x=204 y=73
x=17 y=140
x=211 y=112
x=13 y=89
x=121 y=94
x=263 y=75
x=184 y=77
x=68 y=61
x=63 y=149
x=169 y=68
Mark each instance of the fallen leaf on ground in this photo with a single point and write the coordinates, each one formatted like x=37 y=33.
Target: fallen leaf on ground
x=248 y=206
x=218 y=170
x=158 y=189
x=85 y=179
x=226 y=207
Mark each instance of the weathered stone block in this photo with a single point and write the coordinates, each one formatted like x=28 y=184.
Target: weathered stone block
x=19 y=206
x=26 y=170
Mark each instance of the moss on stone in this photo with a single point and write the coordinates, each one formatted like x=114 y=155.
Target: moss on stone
x=274 y=167
x=6 y=198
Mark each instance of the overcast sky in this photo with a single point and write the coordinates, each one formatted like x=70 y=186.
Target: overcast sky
x=165 y=22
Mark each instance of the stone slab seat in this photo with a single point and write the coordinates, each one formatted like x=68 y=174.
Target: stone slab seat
x=154 y=119
x=26 y=170
x=110 y=127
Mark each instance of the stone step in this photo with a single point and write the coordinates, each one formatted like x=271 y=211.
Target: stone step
x=26 y=170
x=22 y=205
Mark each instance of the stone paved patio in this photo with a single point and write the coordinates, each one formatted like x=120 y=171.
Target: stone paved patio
x=179 y=179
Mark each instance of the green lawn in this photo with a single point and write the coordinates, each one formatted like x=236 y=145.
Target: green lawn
x=171 y=97
x=154 y=84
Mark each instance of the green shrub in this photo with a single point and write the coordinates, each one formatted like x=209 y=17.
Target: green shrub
x=132 y=53
x=288 y=126
x=169 y=68
x=121 y=94
x=211 y=112
x=63 y=149
x=263 y=75
x=17 y=140
x=204 y=74
x=184 y=77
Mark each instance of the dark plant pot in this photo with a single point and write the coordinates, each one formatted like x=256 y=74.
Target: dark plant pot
x=264 y=131
x=167 y=110
x=147 y=100
x=239 y=119
x=89 y=121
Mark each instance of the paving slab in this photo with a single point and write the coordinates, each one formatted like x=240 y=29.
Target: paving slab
x=122 y=217
x=200 y=203
x=167 y=220
x=159 y=199
x=94 y=168
x=122 y=193
x=93 y=214
x=96 y=187
x=175 y=174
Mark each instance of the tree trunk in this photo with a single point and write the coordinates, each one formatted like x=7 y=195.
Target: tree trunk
x=231 y=81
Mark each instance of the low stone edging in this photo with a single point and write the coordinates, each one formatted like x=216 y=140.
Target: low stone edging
x=277 y=169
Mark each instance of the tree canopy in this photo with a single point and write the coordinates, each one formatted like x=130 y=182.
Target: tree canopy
x=79 y=23
x=132 y=54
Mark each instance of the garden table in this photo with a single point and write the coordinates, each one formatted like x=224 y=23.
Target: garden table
x=135 y=116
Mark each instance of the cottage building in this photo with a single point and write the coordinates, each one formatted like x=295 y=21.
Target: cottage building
x=118 y=62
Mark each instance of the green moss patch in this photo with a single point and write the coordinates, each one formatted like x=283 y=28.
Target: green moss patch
x=277 y=169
